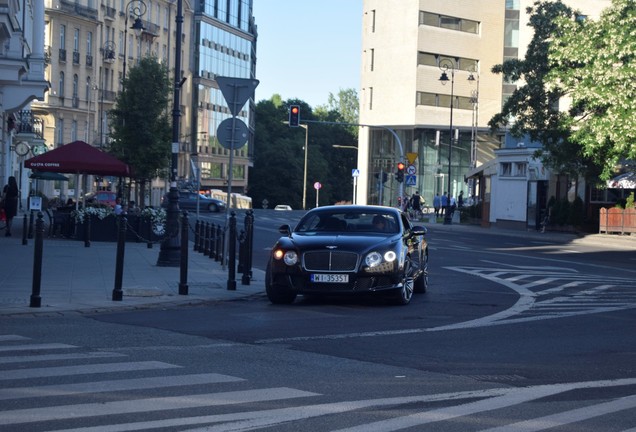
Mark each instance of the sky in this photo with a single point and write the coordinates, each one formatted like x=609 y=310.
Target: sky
x=307 y=49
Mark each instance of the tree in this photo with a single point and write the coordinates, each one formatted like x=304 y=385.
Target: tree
x=594 y=63
x=141 y=129
x=346 y=103
x=532 y=108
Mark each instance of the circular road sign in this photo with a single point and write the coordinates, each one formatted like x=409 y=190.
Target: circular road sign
x=317 y=185
x=227 y=139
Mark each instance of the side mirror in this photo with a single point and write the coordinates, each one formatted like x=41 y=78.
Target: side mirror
x=418 y=230
x=285 y=230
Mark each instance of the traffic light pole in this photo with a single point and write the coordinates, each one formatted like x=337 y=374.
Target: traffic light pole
x=395 y=135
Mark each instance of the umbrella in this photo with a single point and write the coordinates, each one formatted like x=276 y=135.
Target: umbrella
x=78 y=157
x=37 y=175
x=623 y=181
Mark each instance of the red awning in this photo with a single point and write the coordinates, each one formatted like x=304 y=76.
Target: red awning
x=78 y=157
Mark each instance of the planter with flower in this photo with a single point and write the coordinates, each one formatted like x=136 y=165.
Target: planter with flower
x=143 y=226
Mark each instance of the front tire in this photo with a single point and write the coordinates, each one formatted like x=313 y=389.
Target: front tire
x=421 y=283
x=404 y=294
x=213 y=208
x=275 y=293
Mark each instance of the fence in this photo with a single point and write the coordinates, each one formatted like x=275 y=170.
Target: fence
x=617 y=220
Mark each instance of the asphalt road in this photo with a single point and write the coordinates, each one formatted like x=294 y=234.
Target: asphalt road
x=514 y=334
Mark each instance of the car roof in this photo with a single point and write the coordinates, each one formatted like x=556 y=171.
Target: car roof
x=355 y=208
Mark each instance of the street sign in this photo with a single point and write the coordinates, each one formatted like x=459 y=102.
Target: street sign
x=229 y=140
x=236 y=91
x=411 y=180
x=317 y=185
x=355 y=172
x=411 y=157
x=411 y=169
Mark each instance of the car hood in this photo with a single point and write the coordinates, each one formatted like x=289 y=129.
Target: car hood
x=343 y=242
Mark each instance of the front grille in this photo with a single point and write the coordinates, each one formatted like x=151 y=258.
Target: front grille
x=330 y=261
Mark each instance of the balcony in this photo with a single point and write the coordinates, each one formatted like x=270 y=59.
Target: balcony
x=76 y=57
x=47 y=54
x=89 y=60
x=75 y=101
x=62 y=55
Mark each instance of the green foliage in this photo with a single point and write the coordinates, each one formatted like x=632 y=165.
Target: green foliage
x=141 y=128
x=594 y=63
x=278 y=171
x=629 y=202
x=576 y=212
x=532 y=109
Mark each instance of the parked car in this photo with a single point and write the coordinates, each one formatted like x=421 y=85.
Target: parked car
x=282 y=207
x=101 y=197
x=188 y=201
x=349 y=249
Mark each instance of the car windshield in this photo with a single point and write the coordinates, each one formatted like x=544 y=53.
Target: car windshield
x=350 y=222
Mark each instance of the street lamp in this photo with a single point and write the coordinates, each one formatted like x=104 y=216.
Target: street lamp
x=108 y=57
x=306 y=127
x=473 y=77
x=355 y=177
x=446 y=65
x=170 y=253
x=138 y=9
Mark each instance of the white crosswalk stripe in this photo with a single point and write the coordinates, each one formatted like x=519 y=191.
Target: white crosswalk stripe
x=108 y=405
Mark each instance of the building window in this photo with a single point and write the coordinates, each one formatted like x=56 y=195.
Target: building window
x=62 y=37
x=372 y=59
x=461 y=63
x=370 y=98
x=59 y=132
x=76 y=40
x=88 y=89
x=373 y=21
x=521 y=168
x=505 y=169
x=89 y=43
x=443 y=101
x=74 y=130
x=449 y=22
x=60 y=88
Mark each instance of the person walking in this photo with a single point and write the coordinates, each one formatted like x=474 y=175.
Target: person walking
x=460 y=199
x=436 y=204
x=444 y=202
x=10 y=195
x=416 y=205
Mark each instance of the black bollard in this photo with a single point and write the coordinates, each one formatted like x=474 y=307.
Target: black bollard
x=207 y=233
x=231 y=259
x=183 y=280
x=241 y=252
x=197 y=235
x=87 y=231
x=24 y=230
x=247 y=247
x=118 y=293
x=213 y=242
x=36 y=300
x=31 y=224
x=220 y=239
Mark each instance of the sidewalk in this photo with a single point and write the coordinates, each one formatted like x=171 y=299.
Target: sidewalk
x=82 y=279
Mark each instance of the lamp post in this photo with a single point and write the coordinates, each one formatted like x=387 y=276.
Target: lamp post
x=355 y=177
x=473 y=77
x=138 y=9
x=170 y=253
x=108 y=57
x=446 y=65
x=306 y=127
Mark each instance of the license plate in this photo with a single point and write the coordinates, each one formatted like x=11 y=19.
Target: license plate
x=330 y=278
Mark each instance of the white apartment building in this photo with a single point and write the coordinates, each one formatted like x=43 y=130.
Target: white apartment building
x=406 y=46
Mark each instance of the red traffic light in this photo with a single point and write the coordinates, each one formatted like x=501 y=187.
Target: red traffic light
x=294 y=116
x=400 y=166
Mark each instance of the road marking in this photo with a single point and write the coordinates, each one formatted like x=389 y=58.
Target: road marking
x=52 y=357
x=34 y=347
x=66 y=412
x=116 y=385
x=7 y=338
x=83 y=369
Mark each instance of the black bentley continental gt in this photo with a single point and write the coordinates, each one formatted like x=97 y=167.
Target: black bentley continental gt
x=349 y=249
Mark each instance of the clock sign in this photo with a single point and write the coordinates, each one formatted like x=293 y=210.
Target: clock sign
x=22 y=148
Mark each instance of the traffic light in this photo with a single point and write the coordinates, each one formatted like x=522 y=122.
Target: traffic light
x=294 y=115
x=399 y=176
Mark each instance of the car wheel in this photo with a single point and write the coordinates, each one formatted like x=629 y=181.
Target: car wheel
x=275 y=293
x=405 y=293
x=213 y=208
x=421 y=283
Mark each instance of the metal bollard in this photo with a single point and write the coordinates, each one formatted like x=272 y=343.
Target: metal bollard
x=24 y=230
x=118 y=294
x=213 y=242
x=206 y=239
x=183 y=273
x=231 y=274
x=87 y=231
x=220 y=241
x=249 y=239
x=197 y=235
x=31 y=224
x=36 y=300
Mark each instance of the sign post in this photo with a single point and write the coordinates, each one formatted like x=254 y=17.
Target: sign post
x=317 y=186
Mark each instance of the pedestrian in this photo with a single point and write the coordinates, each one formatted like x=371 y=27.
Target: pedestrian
x=444 y=202
x=460 y=199
x=436 y=204
x=416 y=204
x=118 y=207
x=10 y=195
x=453 y=205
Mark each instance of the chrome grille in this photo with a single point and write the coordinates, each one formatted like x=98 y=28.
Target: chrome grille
x=330 y=261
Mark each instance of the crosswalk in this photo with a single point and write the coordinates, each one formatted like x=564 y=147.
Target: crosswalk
x=88 y=396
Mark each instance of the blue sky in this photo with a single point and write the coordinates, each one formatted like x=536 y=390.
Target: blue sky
x=307 y=48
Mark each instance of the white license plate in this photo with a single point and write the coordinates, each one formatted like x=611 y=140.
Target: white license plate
x=330 y=278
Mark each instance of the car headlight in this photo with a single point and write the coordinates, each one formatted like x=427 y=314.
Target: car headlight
x=289 y=257
x=373 y=259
